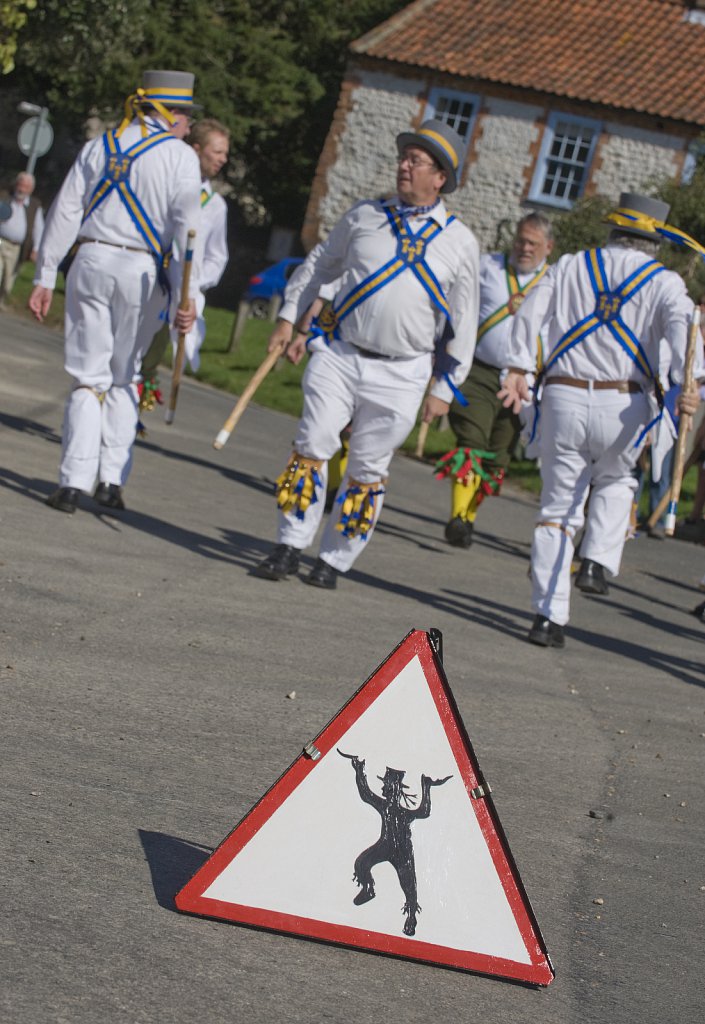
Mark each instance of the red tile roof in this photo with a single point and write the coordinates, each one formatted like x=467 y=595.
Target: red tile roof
x=639 y=55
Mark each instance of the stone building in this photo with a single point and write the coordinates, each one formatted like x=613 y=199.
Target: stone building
x=556 y=99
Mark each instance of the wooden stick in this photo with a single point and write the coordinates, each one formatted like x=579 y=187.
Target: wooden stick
x=664 y=502
x=246 y=396
x=421 y=440
x=683 y=426
x=184 y=304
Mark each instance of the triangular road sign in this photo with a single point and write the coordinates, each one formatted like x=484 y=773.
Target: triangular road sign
x=382 y=835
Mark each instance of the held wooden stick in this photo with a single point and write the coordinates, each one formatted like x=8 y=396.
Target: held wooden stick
x=184 y=304
x=665 y=500
x=421 y=440
x=246 y=396
x=683 y=427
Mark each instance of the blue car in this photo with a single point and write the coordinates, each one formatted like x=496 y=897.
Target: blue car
x=263 y=287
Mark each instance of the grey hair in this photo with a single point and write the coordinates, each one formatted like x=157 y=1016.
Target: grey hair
x=538 y=220
x=626 y=240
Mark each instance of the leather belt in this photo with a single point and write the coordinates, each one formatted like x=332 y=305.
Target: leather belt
x=369 y=354
x=113 y=245
x=624 y=386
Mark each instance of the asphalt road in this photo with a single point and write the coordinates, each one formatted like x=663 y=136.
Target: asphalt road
x=143 y=686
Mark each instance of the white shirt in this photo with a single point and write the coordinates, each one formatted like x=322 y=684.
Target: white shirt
x=494 y=346
x=564 y=296
x=399 y=320
x=14 y=229
x=167 y=181
x=213 y=241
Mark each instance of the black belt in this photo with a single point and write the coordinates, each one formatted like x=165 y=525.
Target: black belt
x=369 y=354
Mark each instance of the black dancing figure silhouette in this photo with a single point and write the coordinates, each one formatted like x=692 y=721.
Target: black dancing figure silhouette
x=394 y=844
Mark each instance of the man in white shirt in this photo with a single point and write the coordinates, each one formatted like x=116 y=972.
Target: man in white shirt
x=486 y=432
x=405 y=312
x=604 y=313
x=21 y=233
x=129 y=196
x=210 y=140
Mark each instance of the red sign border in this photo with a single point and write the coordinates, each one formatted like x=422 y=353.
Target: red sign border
x=417 y=643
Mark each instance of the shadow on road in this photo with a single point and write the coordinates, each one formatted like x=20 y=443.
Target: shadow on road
x=255 y=483
x=172 y=862
x=25 y=426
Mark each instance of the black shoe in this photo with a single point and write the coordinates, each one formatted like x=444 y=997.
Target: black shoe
x=591 y=578
x=458 y=532
x=699 y=612
x=322 y=575
x=110 y=496
x=281 y=562
x=546 y=633
x=65 y=499
x=657 y=532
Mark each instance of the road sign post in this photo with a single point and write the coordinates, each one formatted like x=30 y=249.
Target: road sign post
x=35 y=135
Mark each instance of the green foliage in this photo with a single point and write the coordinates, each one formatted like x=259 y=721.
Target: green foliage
x=13 y=15
x=269 y=70
x=582 y=227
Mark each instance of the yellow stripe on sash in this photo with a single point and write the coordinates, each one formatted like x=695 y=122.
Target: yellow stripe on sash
x=149 y=232
x=638 y=356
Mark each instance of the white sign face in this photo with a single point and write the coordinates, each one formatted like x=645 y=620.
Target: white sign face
x=379 y=843
x=35 y=136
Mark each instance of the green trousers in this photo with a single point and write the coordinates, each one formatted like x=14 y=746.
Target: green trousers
x=484 y=423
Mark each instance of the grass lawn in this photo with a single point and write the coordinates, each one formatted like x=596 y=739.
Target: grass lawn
x=281 y=390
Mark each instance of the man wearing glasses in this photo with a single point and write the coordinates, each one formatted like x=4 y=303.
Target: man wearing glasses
x=130 y=195
x=404 y=312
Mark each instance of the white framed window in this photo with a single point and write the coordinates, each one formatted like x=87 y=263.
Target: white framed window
x=458 y=109
x=563 y=166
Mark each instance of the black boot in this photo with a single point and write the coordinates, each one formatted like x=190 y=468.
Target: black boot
x=546 y=633
x=591 y=578
x=281 y=562
x=458 y=532
x=110 y=496
x=65 y=499
x=322 y=575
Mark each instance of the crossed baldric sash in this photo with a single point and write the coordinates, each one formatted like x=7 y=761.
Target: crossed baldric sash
x=116 y=178
x=410 y=255
x=608 y=304
x=517 y=293
x=116 y=175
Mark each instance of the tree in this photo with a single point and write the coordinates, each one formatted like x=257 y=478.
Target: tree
x=13 y=15
x=270 y=70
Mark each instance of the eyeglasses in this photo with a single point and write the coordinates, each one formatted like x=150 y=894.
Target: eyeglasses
x=415 y=161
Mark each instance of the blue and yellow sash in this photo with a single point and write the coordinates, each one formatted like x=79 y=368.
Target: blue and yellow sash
x=410 y=255
x=206 y=197
x=116 y=177
x=608 y=305
x=516 y=297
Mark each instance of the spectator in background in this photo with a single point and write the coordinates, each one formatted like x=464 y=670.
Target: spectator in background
x=21 y=233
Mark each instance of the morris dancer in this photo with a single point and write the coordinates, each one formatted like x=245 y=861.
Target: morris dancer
x=485 y=431
x=406 y=310
x=605 y=312
x=210 y=140
x=130 y=193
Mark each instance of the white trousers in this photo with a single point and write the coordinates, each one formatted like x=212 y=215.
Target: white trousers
x=587 y=440
x=157 y=313
x=106 y=291
x=381 y=397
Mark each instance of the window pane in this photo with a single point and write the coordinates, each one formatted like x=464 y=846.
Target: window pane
x=455 y=112
x=567 y=160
